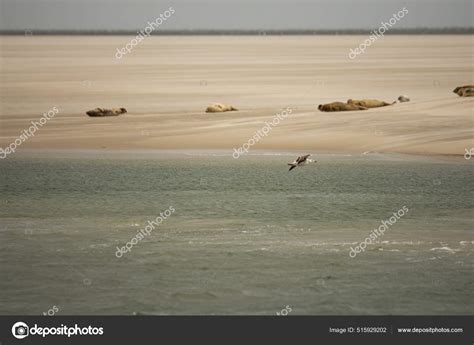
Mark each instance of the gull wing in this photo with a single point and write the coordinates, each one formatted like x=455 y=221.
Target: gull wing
x=302 y=158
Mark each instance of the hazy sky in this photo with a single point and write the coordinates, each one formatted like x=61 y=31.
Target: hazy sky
x=231 y=14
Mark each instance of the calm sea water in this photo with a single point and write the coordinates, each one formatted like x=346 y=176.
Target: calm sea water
x=247 y=236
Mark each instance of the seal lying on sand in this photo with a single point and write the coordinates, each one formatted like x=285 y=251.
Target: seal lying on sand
x=339 y=106
x=99 y=112
x=368 y=103
x=219 y=108
x=359 y=104
x=465 y=91
x=402 y=99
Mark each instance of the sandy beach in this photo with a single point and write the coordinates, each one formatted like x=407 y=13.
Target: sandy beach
x=167 y=82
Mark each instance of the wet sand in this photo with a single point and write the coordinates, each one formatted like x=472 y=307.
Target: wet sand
x=167 y=82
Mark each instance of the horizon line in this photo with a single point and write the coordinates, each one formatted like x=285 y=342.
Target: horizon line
x=258 y=32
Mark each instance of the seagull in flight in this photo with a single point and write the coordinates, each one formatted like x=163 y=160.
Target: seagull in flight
x=300 y=161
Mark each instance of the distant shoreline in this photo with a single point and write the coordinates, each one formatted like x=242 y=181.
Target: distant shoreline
x=262 y=32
